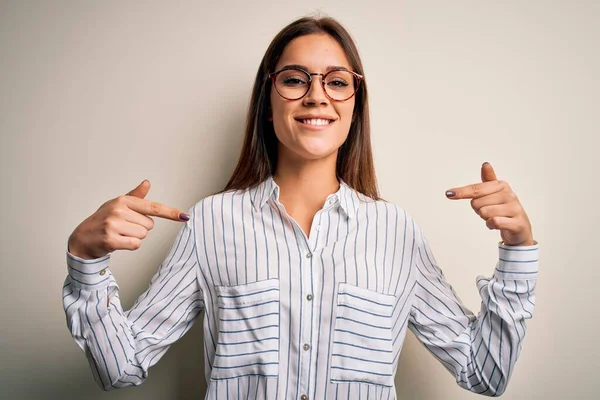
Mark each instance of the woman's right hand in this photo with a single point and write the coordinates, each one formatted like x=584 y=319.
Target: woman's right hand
x=120 y=224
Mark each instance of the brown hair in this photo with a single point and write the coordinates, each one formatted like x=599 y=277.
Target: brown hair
x=258 y=157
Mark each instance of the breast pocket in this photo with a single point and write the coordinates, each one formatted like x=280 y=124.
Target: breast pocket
x=248 y=337
x=362 y=344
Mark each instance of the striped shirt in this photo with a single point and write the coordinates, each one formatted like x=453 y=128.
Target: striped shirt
x=294 y=317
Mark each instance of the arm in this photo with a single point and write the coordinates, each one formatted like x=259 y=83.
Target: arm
x=481 y=351
x=122 y=345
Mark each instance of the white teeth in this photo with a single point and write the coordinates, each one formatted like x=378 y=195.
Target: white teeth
x=316 y=121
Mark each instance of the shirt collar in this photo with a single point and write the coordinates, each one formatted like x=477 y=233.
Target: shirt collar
x=346 y=197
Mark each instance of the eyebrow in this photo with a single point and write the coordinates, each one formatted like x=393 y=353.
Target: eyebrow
x=329 y=68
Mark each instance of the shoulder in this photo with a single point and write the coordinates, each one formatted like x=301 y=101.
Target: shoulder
x=220 y=203
x=392 y=210
x=389 y=213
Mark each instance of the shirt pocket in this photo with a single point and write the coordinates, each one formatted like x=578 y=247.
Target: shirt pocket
x=362 y=338
x=248 y=337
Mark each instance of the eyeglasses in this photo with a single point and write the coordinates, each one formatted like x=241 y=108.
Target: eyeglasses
x=293 y=83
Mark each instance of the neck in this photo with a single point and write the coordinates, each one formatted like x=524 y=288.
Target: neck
x=306 y=182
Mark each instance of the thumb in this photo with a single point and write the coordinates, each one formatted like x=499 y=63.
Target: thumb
x=141 y=190
x=487 y=173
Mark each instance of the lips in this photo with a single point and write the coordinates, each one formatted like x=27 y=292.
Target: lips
x=315 y=121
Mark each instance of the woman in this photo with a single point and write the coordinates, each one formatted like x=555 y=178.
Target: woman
x=307 y=278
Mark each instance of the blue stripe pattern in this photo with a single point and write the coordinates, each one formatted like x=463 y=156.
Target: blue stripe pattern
x=289 y=314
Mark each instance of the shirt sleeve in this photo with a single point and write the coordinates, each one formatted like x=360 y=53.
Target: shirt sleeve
x=122 y=345
x=481 y=351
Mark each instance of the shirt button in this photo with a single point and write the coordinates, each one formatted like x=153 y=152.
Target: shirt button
x=306 y=347
x=319 y=228
x=309 y=297
x=102 y=272
x=309 y=255
x=304 y=397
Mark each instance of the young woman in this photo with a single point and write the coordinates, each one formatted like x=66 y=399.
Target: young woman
x=308 y=280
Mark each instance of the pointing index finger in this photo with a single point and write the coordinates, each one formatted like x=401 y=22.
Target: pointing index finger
x=475 y=190
x=154 y=209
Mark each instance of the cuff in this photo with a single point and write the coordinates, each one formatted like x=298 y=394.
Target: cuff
x=517 y=262
x=89 y=274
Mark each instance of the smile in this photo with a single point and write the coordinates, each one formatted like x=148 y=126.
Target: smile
x=315 y=122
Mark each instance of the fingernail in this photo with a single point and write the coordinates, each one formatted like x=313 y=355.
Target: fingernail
x=450 y=193
x=184 y=217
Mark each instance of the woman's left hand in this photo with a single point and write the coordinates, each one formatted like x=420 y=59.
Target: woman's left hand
x=496 y=203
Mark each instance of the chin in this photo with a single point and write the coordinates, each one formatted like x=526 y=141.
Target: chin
x=301 y=146
x=316 y=154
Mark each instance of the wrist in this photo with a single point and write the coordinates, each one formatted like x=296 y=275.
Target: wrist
x=75 y=248
x=528 y=242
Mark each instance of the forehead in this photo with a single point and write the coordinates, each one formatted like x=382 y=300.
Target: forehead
x=315 y=51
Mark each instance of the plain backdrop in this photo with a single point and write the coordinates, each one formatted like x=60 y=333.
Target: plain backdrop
x=96 y=96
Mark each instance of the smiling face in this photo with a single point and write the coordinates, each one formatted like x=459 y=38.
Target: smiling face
x=313 y=127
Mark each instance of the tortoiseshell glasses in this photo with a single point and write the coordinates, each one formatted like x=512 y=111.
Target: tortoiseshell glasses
x=293 y=83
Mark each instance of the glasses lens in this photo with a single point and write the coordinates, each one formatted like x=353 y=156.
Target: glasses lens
x=340 y=85
x=292 y=84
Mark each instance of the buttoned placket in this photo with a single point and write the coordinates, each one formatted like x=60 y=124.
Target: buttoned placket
x=307 y=314
x=313 y=246
x=310 y=248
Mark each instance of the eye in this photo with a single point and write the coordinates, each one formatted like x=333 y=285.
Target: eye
x=292 y=78
x=337 y=82
x=293 y=81
x=341 y=80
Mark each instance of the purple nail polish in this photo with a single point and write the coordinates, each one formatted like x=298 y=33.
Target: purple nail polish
x=184 y=217
x=450 y=194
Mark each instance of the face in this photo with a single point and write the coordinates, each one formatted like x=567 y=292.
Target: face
x=313 y=127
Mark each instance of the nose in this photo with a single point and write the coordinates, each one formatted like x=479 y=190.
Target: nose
x=316 y=92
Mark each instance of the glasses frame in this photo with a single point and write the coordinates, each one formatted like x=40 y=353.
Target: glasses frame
x=273 y=77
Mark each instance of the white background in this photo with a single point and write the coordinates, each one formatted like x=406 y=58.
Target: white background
x=97 y=96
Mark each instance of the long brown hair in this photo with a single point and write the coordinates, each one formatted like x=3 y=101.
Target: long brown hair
x=258 y=157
